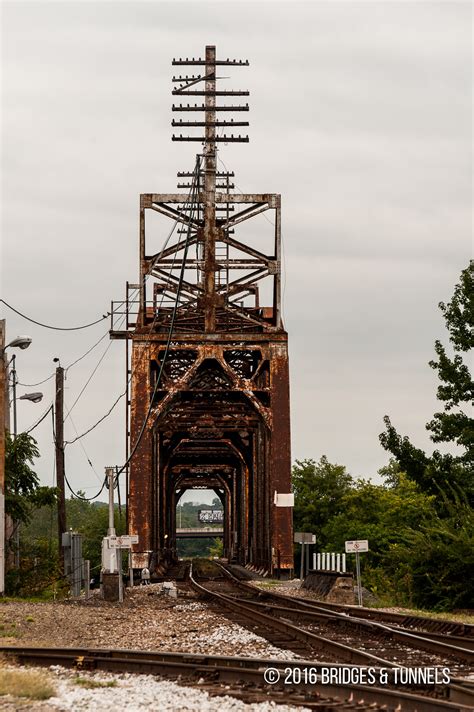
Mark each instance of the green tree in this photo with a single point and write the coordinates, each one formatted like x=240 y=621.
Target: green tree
x=23 y=496
x=217 y=548
x=438 y=556
x=453 y=424
x=388 y=515
x=319 y=488
x=23 y=492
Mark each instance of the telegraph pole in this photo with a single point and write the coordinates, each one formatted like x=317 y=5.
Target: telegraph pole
x=59 y=443
x=211 y=299
x=210 y=192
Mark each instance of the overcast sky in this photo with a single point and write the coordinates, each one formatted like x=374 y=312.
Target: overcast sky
x=360 y=116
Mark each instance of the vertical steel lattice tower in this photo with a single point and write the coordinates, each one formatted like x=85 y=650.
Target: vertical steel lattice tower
x=208 y=405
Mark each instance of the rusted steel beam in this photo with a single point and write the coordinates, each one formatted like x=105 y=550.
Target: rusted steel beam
x=209 y=366
x=280 y=458
x=148 y=199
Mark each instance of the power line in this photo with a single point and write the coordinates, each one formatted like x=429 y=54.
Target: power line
x=26 y=432
x=88 y=499
x=66 y=369
x=81 y=443
x=32 y=385
x=86 y=432
x=170 y=332
x=55 y=328
x=89 y=379
x=85 y=354
x=78 y=496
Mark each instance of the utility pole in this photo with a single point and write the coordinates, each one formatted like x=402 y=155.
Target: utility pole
x=59 y=443
x=2 y=456
x=14 y=382
x=16 y=525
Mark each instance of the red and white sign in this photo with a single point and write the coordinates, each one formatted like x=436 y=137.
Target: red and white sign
x=123 y=542
x=358 y=545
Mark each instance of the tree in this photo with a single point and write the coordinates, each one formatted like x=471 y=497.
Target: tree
x=319 y=488
x=456 y=391
x=457 y=388
x=437 y=554
x=23 y=491
x=23 y=496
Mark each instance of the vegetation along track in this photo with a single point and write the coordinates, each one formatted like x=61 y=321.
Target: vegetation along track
x=336 y=635
x=243 y=678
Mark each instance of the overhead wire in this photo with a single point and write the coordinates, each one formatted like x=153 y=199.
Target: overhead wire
x=81 y=443
x=171 y=327
x=40 y=383
x=89 y=379
x=66 y=368
x=55 y=328
x=121 y=395
x=191 y=200
x=29 y=430
x=79 y=496
x=178 y=245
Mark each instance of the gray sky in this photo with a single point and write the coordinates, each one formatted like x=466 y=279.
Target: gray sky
x=360 y=116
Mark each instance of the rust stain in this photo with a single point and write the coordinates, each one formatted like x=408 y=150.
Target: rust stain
x=218 y=416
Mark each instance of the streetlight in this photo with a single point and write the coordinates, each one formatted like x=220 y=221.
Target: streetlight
x=22 y=342
x=33 y=397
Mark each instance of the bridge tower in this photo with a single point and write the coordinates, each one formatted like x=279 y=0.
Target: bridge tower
x=207 y=362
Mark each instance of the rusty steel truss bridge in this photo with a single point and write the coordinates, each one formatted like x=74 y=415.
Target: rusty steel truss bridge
x=207 y=363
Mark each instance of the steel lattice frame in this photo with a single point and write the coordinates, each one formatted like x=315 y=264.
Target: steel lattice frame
x=219 y=415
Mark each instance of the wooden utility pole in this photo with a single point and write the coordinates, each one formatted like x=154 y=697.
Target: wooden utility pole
x=59 y=442
x=2 y=456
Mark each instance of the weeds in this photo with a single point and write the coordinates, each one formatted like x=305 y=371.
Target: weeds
x=32 y=685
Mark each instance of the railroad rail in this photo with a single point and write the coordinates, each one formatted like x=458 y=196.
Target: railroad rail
x=290 y=636
x=244 y=678
x=269 y=622
x=312 y=612
x=407 y=621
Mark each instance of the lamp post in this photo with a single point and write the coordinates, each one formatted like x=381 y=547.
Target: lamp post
x=21 y=342
x=33 y=397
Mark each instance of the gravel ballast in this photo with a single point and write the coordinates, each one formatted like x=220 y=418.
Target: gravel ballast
x=129 y=692
x=147 y=620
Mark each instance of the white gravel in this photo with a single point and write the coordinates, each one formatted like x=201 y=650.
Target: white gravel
x=241 y=640
x=134 y=693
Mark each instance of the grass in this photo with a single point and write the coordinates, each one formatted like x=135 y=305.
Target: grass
x=267 y=584
x=90 y=684
x=29 y=619
x=442 y=615
x=44 y=597
x=205 y=567
x=386 y=602
x=32 y=685
x=9 y=632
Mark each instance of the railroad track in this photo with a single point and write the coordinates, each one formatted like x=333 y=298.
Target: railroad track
x=460 y=648
x=273 y=623
x=436 y=627
x=244 y=678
